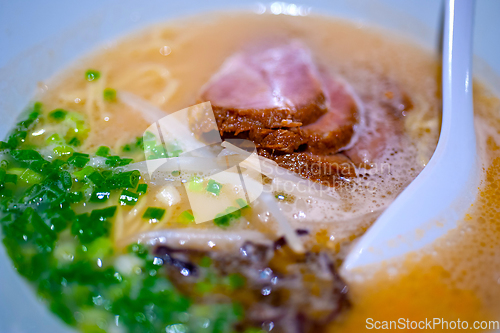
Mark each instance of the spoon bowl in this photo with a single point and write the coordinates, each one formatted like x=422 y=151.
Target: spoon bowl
x=440 y=196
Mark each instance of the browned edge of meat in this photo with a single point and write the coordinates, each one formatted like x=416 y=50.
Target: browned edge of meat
x=231 y=120
x=330 y=170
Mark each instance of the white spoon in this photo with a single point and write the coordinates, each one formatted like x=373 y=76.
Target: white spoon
x=439 y=197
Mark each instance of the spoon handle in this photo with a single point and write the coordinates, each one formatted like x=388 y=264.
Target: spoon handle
x=458 y=117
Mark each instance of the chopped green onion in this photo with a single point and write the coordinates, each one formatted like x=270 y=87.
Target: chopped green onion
x=75 y=142
x=32 y=158
x=109 y=95
x=4 y=145
x=142 y=188
x=128 y=198
x=154 y=150
x=139 y=249
x=75 y=197
x=128 y=179
x=92 y=75
x=107 y=173
x=58 y=115
x=224 y=219
x=195 y=184
x=63 y=150
x=37 y=109
x=10 y=179
x=115 y=161
x=96 y=178
x=153 y=213
x=186 y=217
x=100 y=195
x=79 y=159
x=214 y=187
x=54 y=138
x=103 y=214
x=126 y=148
x=102 y=151
x=78 y=131
x=90 y=227
x=16 y=139
x=242 y=203
x=173 y=149
x=5 y=193
x=30 y=177
x=100 y=248
x=17 y=171
x=84 y=173
x=138 y=144
x=57 y=164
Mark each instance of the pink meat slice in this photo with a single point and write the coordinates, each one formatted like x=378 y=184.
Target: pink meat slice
x=384 y=126
x=275 y=86
x=335 y=129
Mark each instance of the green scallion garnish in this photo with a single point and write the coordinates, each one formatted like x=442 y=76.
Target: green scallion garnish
x=100 y=195
x=84 y=173
x=115 y=161
x=58 y=115
x=96 y=178
x=241 y=203
x=102 y=151
x=186 y=217
x=154 y=213
x=109 y=94
x=195 y=184
x=225 y=218
x=79 y=159
x=142 y=188
x=30 y=177
x=128 y=179
x=9 y=178
x=213 y=187
x=128 y=198
x=63 y=150
x=92 y=75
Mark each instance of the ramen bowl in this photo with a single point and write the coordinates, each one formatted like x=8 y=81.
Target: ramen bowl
x=39 y=40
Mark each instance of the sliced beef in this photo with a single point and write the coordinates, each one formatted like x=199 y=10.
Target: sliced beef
x=326 y=169
x=301 y=115
x=383 y=131
x=327 y=135
x=335 y=129
x=281 y=140
x=266 y=86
